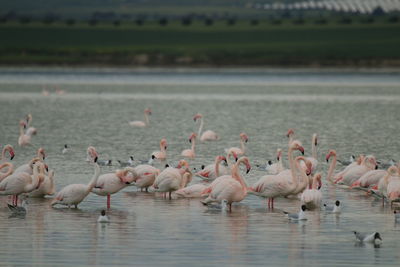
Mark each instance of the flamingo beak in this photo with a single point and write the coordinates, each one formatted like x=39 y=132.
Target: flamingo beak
x=95 y=159
x=46 y=167
x=165 y=147
x=301 y=150
x=190 y=140
x=248 y=169
x=12 y=155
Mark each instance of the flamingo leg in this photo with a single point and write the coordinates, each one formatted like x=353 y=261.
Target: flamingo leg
x=16 y=200
x=230 y=207
x=170 y=195
x=147 y=189
x=108 y=201
x=272 y=205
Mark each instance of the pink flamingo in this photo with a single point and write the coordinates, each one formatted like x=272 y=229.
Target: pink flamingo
x=392 y=173
x=284 y=183
x=369 y=179
x=212 y=171
x=24 y=138
x=314 y=158
x=47 y=187
x=331 y=169
x=18 y=183
x=145 y=176
x=356 y=163
x=232 y=189
x=192 y=191
x=303 y=177
x=290 y=135
x=111 y=183
x=162 y=154
x=190 y=153
x=207 y=135
x=10 y=170
x=349 y=177
x=145 y=123
x=74 y=194
x=242 y=150
x=30 y=130
x=312 y=197
x=393 y=185
x=172 y=179
x=28 y=167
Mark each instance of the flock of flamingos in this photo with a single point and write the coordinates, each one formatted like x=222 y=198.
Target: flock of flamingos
x=221 y=182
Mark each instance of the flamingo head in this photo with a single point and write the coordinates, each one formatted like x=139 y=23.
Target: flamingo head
x=147 y=111
x=296 y=145
x=183 y=163
x=221 y=158
x=244 y=137
x=33 y=162
x=278 y=154
x=197 y=116
x=163 y=143
x=28 y=118
x=393 y=170
x=308 y=166
x=360 y=159
x=246 y=162
x=40 y=153
x=92 y=153
x=122 y=175
x=315 y=139
x=318 y=178
x=331 y=152
x=192 y=137
x=10 y=151
x=290 y=133
x=370 y=161
x=22 y=124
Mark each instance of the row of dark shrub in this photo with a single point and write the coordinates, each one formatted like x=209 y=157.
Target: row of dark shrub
x=210 y=22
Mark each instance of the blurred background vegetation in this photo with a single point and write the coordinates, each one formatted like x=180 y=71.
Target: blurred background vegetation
x=201 y=32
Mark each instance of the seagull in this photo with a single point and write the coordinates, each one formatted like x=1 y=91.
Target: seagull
x=386 y=165
x=65 y=149
x=374 y=238
x=126 y=164
x=103 y=218
x=301 y=216
x=107 y=162
x=347 y=162
x=21 y=210
x=333 y=208
x=396 y=216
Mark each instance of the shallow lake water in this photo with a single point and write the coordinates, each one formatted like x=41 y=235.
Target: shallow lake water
x=353 y=111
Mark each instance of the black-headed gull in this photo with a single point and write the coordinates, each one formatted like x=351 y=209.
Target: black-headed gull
x=337 y=208
x=126 y=164
x=301 y=216
x=347 y=162
x=103 y=218
x=65 y=149
x=374 y=238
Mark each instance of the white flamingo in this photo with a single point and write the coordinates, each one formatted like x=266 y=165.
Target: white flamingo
x=242 y=150
x=162 y=154
x=190 y=153
x=10 y=170
x=47 y=187
x=74 y=194
x=145 y=176
x=207 y=135
x=212 y=171
x=312 y=197
x=145 y=123
x=172 y=179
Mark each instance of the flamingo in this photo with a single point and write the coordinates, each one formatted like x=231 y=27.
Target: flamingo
x=369 y=179
x=18 y=183
x=232 y=189
x=162 y=154
x=192 y=191
x=10 y=170
x=24 y=137
x=282 y=184
x=207 y=135
x=47 y=187
x=290 y=135
x=111 y=183
x=189 y=153
x=144 y=123
x=145 y=176
x=74 y=194
x=312 y=197
x=212 y=171
x=30 y=130
x=331 y=153
x=28 y=167
x=393 y=186
x=356 y=163
x=242 y=150
x=172 y=179
x=349 y=177
x=313 y=158
x=382 y=186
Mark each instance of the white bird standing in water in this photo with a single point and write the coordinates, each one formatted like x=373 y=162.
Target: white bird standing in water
x=374 y=238
x=103 y=218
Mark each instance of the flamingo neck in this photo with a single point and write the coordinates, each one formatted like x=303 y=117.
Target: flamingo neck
x=314 y=148
x=200 y=128
x=185 y=179
x=217 y=161
x=242 y=146
x=21 y=130
x=3 y=154
x=304 y=181
x=193 y=144
x=236 y=175
x=290 y=139
x=52 y=184
x=35 y=179
x=10 y=170
x=146 y=119
x=331 y=169
x=292 y=165
x=93 y=181
x=228 y=160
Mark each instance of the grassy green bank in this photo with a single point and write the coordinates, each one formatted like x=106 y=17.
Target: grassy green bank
x=216 y=45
